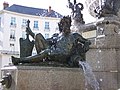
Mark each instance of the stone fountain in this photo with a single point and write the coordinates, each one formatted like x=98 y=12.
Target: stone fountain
x=104 y=53
x=103 y=57
x=56 y=65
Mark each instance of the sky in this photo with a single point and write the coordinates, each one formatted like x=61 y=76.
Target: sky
x=59 y=6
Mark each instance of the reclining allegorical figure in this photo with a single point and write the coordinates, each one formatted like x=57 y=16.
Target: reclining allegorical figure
x=67 y=48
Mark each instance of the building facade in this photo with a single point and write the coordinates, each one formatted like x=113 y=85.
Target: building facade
x=13 y=26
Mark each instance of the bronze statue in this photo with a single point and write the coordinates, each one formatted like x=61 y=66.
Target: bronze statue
x=68 y=48
x=76 y=11
x=26 y=46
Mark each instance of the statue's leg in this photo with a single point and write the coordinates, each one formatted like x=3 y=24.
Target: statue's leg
x=31 y=59
x=40 y=43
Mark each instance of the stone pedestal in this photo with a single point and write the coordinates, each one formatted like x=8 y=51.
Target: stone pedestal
x=45 y=78
x=104 y=57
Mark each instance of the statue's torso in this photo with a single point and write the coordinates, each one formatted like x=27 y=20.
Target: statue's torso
x=65 y=43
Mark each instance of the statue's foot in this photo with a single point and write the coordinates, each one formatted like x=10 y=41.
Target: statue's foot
x=15 y=60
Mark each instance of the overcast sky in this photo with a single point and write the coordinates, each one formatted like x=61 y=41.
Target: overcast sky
x=57 y=5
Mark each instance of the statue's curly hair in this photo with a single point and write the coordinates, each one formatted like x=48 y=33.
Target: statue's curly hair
x=65 y=19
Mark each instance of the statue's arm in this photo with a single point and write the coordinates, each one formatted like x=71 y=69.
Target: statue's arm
x=71 y=6
x=82 y=40
x=82 y=7
x=29 y=31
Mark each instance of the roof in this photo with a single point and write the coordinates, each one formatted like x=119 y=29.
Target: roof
x=33 y=11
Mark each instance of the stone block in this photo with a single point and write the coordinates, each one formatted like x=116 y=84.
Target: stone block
x=118 y=80
x=102 y=59
x=118 y=59
x=110 y=41
x=45 y=78
x=107 y=80
x=110 y=29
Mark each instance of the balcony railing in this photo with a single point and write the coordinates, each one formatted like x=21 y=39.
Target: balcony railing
x=13 y=25
x=9 y=52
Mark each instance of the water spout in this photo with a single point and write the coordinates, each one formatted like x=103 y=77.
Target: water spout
x=89 y=76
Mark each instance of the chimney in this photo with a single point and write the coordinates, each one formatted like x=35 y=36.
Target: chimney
x=5 y=5
x=49 y=10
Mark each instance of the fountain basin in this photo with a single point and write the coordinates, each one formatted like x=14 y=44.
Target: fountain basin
x=45 y=78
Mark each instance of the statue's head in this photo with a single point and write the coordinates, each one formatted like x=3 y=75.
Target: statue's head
x=65 y=23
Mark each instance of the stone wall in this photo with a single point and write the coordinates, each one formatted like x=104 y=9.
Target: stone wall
x=104 y=56
x=45 y=78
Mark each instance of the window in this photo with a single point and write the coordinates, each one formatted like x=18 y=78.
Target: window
x=57 y=29
x=24 y=23
x=46 y=35
x=23 y=34
x=13 y=21
x=12 y=47
x=47 y=26
x=1 y=43
x=12 y=35
x=36 y=24
x=0 y=21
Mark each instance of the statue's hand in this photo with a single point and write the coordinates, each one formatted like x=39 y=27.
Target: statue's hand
x=86 y=46
x=29 y=31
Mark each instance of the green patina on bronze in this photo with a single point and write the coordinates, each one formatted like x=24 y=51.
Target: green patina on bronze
x=64 y=49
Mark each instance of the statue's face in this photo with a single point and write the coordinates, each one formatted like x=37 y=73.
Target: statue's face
x=66 y=29
x=66 y=24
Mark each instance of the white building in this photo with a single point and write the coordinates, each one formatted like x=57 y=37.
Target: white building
x=13 y=25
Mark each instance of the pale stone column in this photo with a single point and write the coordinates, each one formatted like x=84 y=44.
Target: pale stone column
x=110 y=30
x=104 y=57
